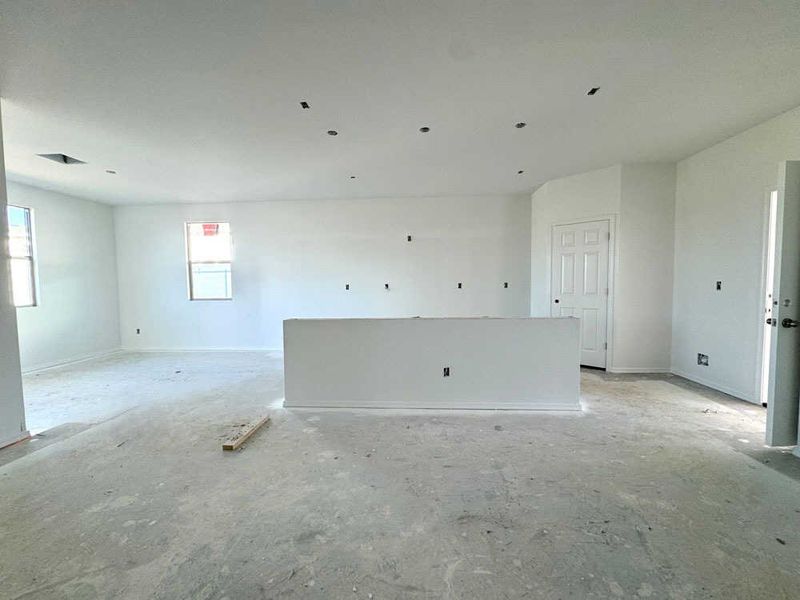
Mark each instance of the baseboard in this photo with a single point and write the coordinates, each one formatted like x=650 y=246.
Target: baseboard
x=713 y=385
x=209 y=349
x=15 y=439
x=638 y=370
x=71 y=361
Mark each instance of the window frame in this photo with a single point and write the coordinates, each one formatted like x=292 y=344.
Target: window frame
x=31 y=259
x=190 y=262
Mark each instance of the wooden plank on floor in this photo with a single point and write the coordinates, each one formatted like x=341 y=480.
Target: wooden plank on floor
x=236 y=442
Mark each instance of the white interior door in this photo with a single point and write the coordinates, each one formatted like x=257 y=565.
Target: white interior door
x=784 y=369
x=579 y=284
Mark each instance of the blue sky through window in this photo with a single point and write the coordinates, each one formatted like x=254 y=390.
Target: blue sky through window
x=16 y=216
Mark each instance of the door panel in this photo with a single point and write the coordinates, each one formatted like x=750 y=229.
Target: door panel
x=579 y=284
x=784 y=379
x=589 y=329
x=591 y=237
x=567 y=274
x=591 y=275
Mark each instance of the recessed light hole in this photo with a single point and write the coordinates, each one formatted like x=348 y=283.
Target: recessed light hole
x=304 y=104
x=63 y=159
x=520 y=125
x=425 y=129
x=333 y=132
x=593 y=91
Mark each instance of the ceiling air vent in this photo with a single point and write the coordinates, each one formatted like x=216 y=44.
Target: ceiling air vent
x=63 y=159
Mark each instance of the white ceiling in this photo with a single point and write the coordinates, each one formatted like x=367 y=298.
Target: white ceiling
x=198 y=100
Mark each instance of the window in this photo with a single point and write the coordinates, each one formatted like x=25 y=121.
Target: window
x=20 y=246
x=208 y=249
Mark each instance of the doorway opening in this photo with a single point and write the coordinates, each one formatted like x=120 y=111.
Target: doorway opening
x=769 y=317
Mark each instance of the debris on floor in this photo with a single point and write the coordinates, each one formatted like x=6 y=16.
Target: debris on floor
x=236 y=442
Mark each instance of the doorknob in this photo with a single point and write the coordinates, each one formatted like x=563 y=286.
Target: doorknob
x=556 y=300
x=790 y=322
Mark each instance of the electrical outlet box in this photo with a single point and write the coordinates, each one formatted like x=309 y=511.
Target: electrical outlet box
x=719 y=286
x=138 y=331
x=702 y=360
x=446 y=372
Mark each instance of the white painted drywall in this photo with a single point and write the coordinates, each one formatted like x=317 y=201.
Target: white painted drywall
x=12 y=409
x=293 y=259
x=643 y=286
x=195 y=100
x=77 y=315
x=530 y=364
x=720 y=217
x=639 y=198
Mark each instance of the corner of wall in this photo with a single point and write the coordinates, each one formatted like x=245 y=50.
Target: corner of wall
x=12 y=407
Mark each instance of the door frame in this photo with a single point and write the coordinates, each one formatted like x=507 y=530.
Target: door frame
x=759 y=375
x=612 y=270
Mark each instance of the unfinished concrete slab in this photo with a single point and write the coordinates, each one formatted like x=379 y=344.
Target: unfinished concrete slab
x=659 y=489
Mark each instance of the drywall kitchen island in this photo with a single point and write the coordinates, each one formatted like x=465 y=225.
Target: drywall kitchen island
x=460 y=363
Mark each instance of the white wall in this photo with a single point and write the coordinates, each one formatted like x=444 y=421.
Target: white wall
x=12 y=410
x=526 y=364
x=721 y=204
x=643 y=287
x=78 y=313
x=293 y=259
x=640 y=198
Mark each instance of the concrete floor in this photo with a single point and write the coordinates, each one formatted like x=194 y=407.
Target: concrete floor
x=660 y=489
